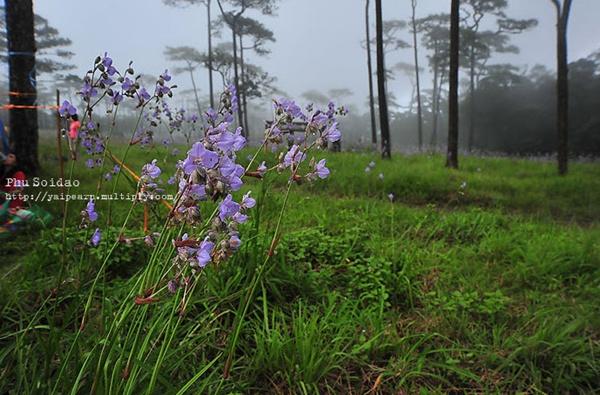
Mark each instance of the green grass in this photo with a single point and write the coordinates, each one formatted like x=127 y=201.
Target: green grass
x=490 y=288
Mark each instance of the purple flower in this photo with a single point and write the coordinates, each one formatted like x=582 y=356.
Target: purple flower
x=294 y=156
x=143 y=94
x=290 y=108
x=67 y=109
x=89 y=163
x=247 y=201
x=211 y=115
x=321 y=170
x=90 y=209
x=234 y=99
x=107 y=63
x=275 y=132
x=117 y=98
x=228 y=208
x=318 y=120
x=332 y=134
x=151 y=170
x=235 y=242
x=165 y=76
x=88 y=91
x=203 y=254
x=198 y=191
x=127 y=84
x=116 y=169
x=232 y=172
x=197 y=156
x=172 y=286
x=240 y=218
x=91 y=125
x=240 y=141
x=262 y=169
x=95 y=240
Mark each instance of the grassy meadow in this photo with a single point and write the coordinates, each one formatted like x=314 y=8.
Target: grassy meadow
x=481 y=280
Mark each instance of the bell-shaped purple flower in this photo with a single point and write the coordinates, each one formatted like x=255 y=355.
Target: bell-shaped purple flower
x=90 y=209
x=67 y=109
x=203 y=254
x=321 y=170
x=332 y=134
x=151 y=170
x=96 y=237
x=294 y=156
x=228 y=208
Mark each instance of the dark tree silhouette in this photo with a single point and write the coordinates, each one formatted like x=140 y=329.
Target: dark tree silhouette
x=207 y=4
x=370 y=70
x=232 y=19
x=452 y=154
x=259 y=36
x=386 y=150
x=477 y=46
x=562 y=83
x=191 y=59
x=414 y=28
x=21 y=62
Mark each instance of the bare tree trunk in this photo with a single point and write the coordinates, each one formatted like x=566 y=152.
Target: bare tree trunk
x=434 y=107
x=244 y=87
x=472 y=99
x=190 y=68
x=386 y=149
x=21 y=62
x=210 y=58
x=370 y=69
x=236 y=76
x=562 y=84
x=416 y=54
x=452 y=154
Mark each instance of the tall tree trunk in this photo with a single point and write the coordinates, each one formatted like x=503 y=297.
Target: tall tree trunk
x=21 y=62
x=452 y=154
x=240 y=116
x=370 y=69
x=191 y=70
x=416 y=54
x=434 y=106
x=210 y=58
x=244 y=87
x=386 y=148
x=562 y=84
x=472 y=99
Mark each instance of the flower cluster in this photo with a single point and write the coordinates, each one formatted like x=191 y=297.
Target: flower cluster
x=104 y=83
x=88 y=217
x=209 y=170
x=320 y=129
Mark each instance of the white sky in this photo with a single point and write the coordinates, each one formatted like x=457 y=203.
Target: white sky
x=318 y=41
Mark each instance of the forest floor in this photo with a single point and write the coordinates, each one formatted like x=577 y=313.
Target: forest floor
x=483 y=279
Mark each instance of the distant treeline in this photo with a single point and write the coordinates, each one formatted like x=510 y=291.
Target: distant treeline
x=514 y=113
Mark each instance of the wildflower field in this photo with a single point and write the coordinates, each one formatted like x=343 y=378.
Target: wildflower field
x=390 y=277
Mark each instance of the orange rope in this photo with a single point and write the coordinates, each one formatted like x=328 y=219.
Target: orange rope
x=20 y=107
x=21 y=94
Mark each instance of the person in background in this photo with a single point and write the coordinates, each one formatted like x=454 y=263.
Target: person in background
x=74 y=135
x=12 y=179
